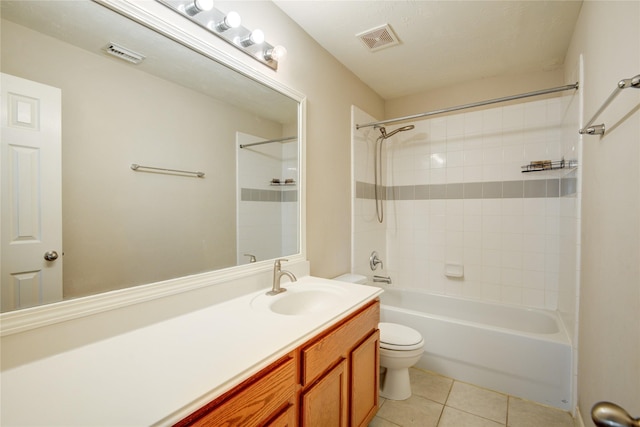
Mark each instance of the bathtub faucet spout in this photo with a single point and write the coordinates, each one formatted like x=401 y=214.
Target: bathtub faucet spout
x=382 y=279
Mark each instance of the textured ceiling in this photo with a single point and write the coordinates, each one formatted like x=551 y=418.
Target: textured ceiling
x=441 y=42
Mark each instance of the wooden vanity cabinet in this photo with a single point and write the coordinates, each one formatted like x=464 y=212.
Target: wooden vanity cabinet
x=340 y=372
x=330 y=381
x=266 y=399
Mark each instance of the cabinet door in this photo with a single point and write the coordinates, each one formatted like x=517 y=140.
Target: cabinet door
x=325 y=403
x=365 y=373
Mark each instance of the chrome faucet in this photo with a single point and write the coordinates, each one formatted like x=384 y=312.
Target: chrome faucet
x=277 y=275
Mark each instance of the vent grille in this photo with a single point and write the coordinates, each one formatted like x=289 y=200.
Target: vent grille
x=378 y=38
x=123 y=53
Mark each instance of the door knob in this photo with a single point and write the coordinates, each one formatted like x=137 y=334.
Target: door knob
x=51 y=255
x=607 y=414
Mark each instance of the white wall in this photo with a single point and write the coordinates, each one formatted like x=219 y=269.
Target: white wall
x=606 y=36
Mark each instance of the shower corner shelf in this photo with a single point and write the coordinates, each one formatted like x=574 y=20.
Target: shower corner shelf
x=282 y=182
x=548 y=165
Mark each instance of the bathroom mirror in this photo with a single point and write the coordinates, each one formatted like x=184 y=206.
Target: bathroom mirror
x=196 y=202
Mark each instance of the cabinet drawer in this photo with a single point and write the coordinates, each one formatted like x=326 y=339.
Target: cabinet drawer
x=323 y=352
x=253 y=402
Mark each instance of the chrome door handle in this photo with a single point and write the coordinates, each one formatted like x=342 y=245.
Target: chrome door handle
x=51 y=255
x=607 y=414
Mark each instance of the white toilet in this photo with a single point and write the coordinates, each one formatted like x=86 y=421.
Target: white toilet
x=400 y=348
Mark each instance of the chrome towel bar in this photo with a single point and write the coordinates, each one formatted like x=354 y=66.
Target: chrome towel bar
x=141 y=168
x=591 y=129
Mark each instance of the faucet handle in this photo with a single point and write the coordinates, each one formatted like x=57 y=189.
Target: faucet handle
x=374 y=261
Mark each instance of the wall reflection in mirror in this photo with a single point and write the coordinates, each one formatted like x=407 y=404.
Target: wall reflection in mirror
x=174 y=109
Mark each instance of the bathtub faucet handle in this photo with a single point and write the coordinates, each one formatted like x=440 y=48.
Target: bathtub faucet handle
x=374 y=261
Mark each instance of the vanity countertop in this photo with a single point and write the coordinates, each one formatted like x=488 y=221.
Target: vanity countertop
x=158 y=374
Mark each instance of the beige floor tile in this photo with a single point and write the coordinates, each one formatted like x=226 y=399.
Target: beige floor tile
x=523 y=413
x=381 y=422
x=452 y=417
x=430 y=385
x=415 y=411
x=478 y=401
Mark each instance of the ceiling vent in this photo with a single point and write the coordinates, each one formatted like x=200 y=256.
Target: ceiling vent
x=378 y=38
x=123 y=53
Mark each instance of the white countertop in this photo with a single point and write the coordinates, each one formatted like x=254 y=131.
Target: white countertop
x=160 y=373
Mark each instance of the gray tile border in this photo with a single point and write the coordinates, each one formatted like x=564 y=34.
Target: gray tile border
x=539 y=188
x=422 y=192
x=553 y=188
x=405 y=192
x=492 y=190
x=568 y=186
x=275 y=196
x=512 y=189
x=438 y=191
x=535 y=188
x=473 y=190
x=290 y=196
x=455 y=191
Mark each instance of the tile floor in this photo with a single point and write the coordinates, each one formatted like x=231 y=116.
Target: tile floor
x=439 y=401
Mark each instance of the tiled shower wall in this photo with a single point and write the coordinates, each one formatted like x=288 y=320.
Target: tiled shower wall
x=456 y=195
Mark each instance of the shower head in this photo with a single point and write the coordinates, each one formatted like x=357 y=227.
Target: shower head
x=386 y=135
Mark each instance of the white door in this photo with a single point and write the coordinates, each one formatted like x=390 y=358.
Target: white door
x=30 y=182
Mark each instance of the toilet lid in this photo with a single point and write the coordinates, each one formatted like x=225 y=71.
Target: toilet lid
x=399 y=337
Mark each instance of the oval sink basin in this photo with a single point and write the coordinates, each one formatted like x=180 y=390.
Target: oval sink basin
x=302 y=299
x=308 y=302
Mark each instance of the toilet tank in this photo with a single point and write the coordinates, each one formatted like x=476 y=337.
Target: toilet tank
x=352 y=278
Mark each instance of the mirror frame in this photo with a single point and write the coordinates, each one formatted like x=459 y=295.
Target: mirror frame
x=170 y=26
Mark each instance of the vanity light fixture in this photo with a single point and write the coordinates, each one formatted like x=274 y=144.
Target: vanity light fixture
x=231 y=20
x=196 y=6
x=276 y=53
x=255 y=37
x=227 y=26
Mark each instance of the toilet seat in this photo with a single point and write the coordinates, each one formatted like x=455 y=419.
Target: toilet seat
x=399 y=337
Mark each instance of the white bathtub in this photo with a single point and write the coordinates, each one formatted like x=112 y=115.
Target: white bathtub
x=518 y=351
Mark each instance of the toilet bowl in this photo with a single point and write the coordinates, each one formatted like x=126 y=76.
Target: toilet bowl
x=400 y=348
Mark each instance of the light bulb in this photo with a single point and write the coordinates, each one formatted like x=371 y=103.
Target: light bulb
x=231 y=20
x=276 y=53
x=197 y=6
x=256 y=37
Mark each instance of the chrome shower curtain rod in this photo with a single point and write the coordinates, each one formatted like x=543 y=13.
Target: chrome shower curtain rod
x=288 y=138
x=474 y=104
